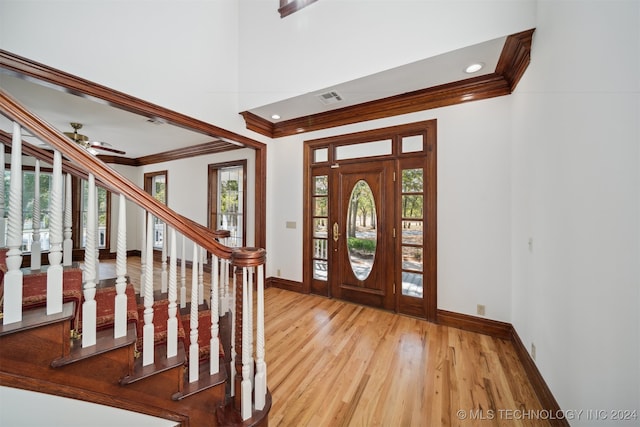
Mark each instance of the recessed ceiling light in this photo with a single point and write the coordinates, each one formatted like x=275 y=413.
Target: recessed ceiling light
x=474 y=68
x=275 y=116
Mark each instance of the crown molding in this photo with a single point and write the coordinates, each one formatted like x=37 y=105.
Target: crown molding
x=513 y=62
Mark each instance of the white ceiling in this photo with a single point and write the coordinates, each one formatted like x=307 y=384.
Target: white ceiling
x=135 y=135
x=434 y=71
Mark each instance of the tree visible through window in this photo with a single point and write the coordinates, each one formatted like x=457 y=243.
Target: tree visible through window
x=227 y=199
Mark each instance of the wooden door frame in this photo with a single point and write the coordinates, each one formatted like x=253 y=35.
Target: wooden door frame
x=429 y=129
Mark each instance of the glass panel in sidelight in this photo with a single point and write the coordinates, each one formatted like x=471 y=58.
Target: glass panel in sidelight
x=321 y=155
x=320 y=227
x=412 y=180
x=362 y=233
x=321 y=185
x=319 y=269
x=412 y=284
x=411 y=258
x=412 y=232
x=320 y=206
x=412 y=206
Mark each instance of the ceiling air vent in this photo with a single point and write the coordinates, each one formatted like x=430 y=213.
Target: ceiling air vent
x=328 y=98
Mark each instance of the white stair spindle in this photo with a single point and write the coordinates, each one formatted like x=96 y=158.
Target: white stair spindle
x=13 y=277
x=120 y=326
x=163 y=275
x=143 y=250
x=245 y=385
x=232 y=313
x=3 y=223
x=183 y=274
x=67 y=245
x=36 y=251
x=148 y=329
x=214 y=343
x=194 y=348
x=249 y=312
x=54 y=272
x=201 y=260
x=260 y=389
x=172 y=321
x=89 y=304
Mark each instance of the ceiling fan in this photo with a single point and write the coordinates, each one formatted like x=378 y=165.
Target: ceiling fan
x=84 y=141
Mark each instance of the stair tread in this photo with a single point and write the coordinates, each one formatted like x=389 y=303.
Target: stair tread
x=104 y=343
x=161 y=364
x=205 y=381
x=37 y=317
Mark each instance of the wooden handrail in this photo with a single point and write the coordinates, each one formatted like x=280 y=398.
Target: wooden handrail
x=80 y=158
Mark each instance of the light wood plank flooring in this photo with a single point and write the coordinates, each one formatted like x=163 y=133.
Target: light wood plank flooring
x=333 y=363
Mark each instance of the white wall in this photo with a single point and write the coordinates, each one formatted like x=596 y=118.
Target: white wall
x=21 y=408
x=576 y=193
x=178 y=54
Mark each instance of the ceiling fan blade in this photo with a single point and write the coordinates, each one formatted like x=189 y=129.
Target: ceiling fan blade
x=112 y=150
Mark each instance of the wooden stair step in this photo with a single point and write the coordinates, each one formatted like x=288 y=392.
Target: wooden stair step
x=37 y=317
x=205 y=381
x=104 y=343
x=161 y=364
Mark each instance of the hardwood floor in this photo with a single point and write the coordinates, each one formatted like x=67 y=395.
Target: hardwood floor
x=337 y=364
x=332 y=363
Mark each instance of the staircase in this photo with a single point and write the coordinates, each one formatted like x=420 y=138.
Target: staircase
x=68 y=332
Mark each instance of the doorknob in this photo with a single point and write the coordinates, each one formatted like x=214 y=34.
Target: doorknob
x=336 y=232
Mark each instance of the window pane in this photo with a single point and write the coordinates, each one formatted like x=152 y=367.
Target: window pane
x=321 y=185
x=321 y=155
x=319 y=270
x=412 y=284
x=320 y=206
x=365 y=149
x=320 y=227
x=412 y=180
x=411 y=258
x=320 y=248
x=412 y=207
x=412 y=232
x=230 y=198
x=412 y=144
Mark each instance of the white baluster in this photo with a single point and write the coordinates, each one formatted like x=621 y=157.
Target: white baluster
x=194 y=348
x=36 y=251
x=249 y=312
x=3 y=224
x=54 y=272
x=143 y=251
x=13 y=277
x=201 y=276
x=120 y=324
x=148 y=329
x=214 y=343
x=163 y=275
x=89 y=304
x=172 y=321
x=67 y=245
x=232 y=313
x=245 y=385
x=261 y=366
x=183 y=274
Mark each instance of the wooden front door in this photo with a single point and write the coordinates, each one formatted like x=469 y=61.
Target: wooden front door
x=361 y=233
